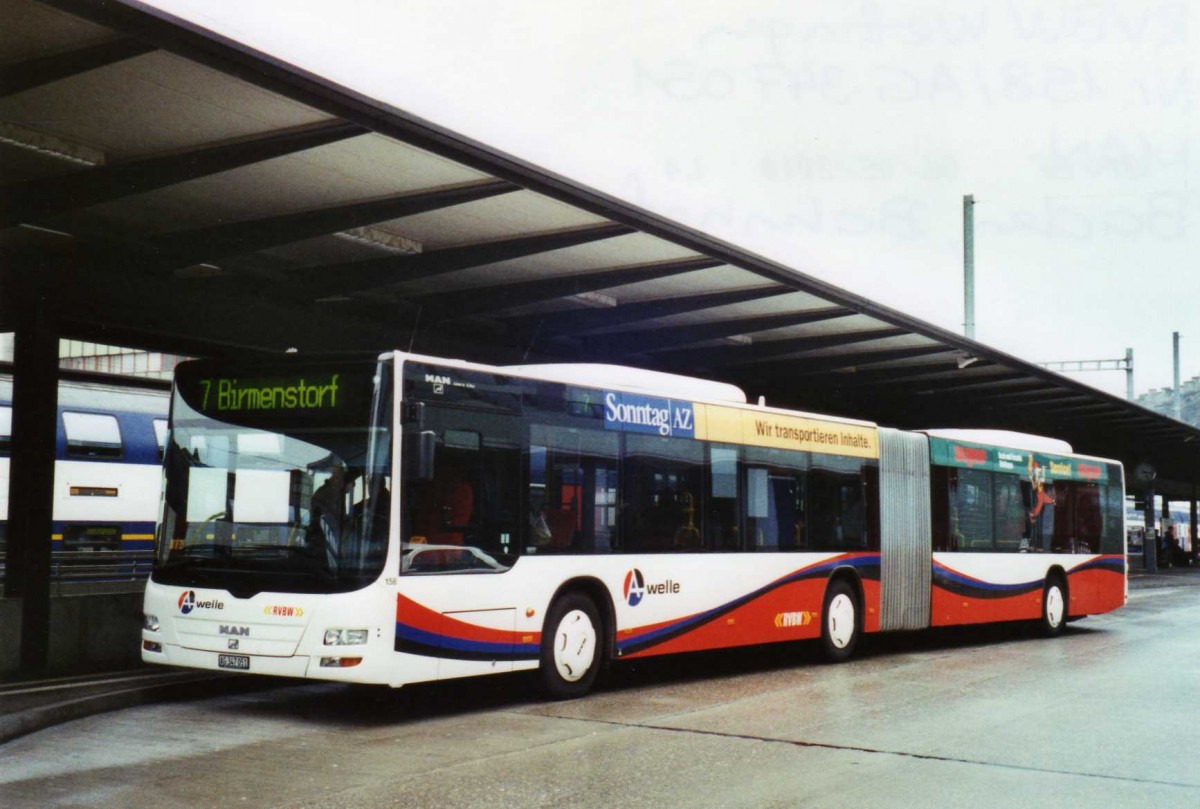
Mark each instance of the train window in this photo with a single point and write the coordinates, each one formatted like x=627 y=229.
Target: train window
x=92 y=435
x=5 y=429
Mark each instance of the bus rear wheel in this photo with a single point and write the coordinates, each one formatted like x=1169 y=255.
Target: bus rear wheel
x=839 y=622
x=571 y=654
x=1054 y=607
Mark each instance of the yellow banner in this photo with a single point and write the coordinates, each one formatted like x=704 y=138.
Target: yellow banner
x=733 y=426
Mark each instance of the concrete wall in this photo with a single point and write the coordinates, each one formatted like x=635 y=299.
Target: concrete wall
x=87 y=633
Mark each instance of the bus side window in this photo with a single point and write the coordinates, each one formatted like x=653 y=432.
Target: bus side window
x=664 y=493
x=939 y=509
x=837 y=505
x=1088 y=522
x=721 y=517
x=1010 y=513
x=971 y=503
x=1112 y=539
x=775 y=501
x=572 y=490
x=1064 y=518
x=441 y=508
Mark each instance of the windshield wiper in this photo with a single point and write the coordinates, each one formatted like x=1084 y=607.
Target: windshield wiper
x=266 y=549
x=211 y=550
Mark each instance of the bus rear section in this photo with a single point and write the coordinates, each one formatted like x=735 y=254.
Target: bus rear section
x=988 y=526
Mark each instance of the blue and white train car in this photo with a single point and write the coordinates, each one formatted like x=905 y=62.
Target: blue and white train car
x=108 y=459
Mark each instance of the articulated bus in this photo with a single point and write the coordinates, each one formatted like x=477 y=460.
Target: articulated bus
x=409 y=519
x=108 y=467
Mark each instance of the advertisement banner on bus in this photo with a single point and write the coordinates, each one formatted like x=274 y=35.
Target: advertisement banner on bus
x=944 y=452
x=779 y=431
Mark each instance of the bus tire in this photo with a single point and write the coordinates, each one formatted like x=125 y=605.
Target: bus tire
x=1054 y=606
x=840 y=622
x=571 y=647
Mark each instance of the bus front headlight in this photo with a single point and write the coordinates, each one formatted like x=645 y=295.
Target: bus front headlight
x=150 y=622
x=346 y=637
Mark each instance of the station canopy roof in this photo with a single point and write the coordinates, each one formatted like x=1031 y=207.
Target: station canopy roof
x=178 y=191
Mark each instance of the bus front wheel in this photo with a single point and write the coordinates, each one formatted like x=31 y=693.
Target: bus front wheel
x=570 y=657
x=839 y=622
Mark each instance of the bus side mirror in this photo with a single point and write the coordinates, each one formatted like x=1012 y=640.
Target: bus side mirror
x=426 y=446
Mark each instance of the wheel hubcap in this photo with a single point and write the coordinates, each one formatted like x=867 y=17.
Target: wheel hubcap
x=574 y=645
x=1054 y=606
x=840 y=620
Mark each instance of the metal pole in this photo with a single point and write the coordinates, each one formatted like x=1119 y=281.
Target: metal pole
x=1150 y=543
x=1163 y=517
x=1129 y=374
x=1193 y=527
x=31 y=482
x=969 y=265
x=1177 y=402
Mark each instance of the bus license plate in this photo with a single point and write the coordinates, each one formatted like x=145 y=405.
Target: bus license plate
x=239 y=662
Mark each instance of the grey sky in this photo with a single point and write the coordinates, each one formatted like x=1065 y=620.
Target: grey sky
x=838 y=138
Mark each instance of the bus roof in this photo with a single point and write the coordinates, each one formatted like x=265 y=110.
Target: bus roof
x=1005 y=438
x=639 y=380
x=599 y=375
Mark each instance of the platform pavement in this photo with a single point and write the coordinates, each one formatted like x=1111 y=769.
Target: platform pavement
x=30 y=704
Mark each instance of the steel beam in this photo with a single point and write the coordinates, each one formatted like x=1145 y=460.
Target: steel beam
x=717 y=356
x=819 y=365
x=498 y=297
x=33 y=200
x=580 y=321
x=186 y=248
x=381 y=274
x=668 y=338
x=32 y=73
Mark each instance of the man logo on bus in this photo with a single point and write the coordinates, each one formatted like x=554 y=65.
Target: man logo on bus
x=187 y=601
x=635 y=587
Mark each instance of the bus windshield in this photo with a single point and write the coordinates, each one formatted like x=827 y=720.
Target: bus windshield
x=276 y=478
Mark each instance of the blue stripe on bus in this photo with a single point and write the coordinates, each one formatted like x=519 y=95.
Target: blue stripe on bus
x=1113 y=564
x=964 y=585
x=431 y=644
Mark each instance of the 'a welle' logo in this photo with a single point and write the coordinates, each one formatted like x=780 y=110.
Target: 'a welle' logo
x=635 y=588
x=188 y=603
